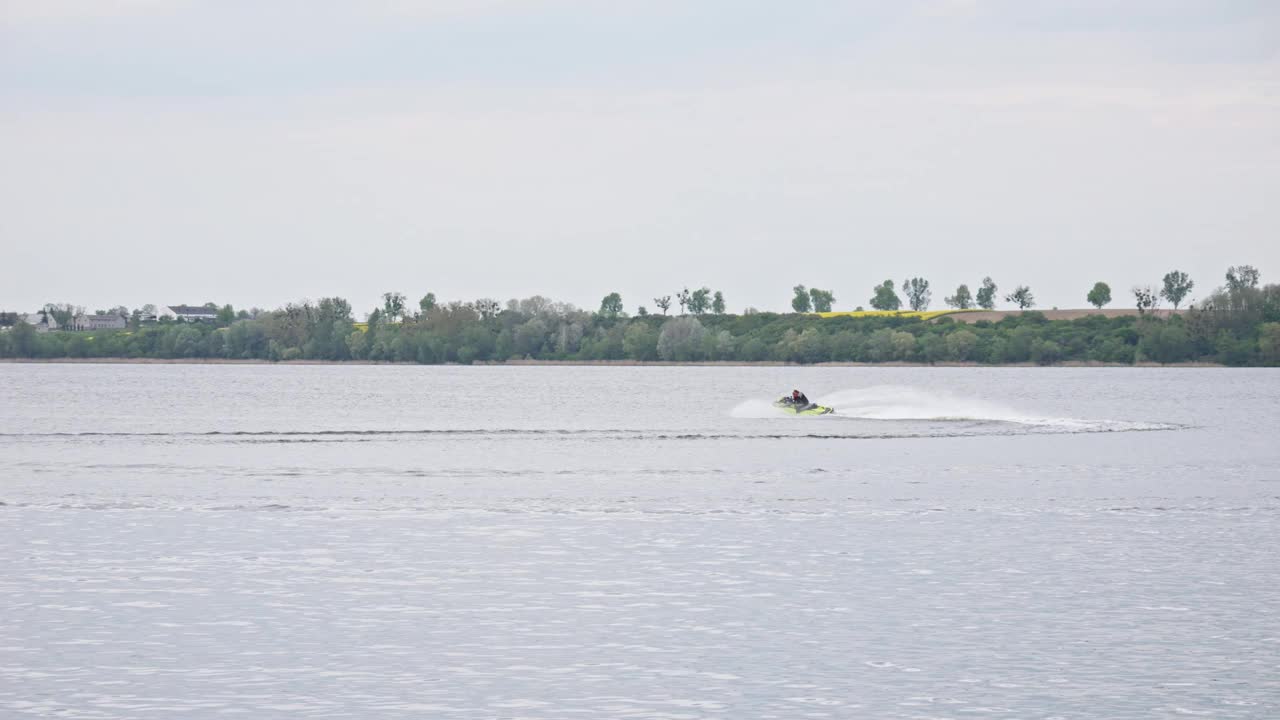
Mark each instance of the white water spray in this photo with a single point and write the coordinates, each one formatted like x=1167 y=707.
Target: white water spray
x=893 y=402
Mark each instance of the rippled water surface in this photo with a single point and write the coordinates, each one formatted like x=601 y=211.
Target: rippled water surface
x=555 y=542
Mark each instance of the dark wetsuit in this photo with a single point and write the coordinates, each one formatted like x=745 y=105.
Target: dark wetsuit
x=800 y=401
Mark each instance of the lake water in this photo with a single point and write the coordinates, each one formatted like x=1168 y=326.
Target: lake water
x=565 y=542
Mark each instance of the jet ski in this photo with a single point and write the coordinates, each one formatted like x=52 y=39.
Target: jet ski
x=789 y=406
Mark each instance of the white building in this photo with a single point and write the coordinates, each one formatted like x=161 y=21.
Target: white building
x=41 y=321
x=99 y=322
x=189 y=313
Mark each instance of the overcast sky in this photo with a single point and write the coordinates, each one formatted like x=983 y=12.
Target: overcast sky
x=172 y=151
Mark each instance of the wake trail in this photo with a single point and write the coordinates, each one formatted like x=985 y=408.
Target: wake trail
x=895 y=402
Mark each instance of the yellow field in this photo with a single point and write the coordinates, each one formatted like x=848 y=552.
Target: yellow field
x=925 y=315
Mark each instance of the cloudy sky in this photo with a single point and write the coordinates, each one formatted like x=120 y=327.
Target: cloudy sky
x=188 y=151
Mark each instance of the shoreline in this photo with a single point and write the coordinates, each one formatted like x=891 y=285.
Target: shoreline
x=591 y=363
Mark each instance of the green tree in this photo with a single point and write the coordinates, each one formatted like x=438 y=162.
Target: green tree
x=1146 y=298
x=885 y=298
x=845 y=345
x=77 y=346
x=393 y=306
x=717 y=303
x=960 y=344
x=753 y=350
x=1270 y=304
x=680 y=339
x=226 y=315
x=802 y=302
x=822 y=299
x=1045 y=352
x=1100 y=295
x=1242 y=277
x=611 y=306
x=933 y=348
x=427 y=303
x=962 y=300
x=700 y=301
x=187 y=342
x=879 y=346
x=531 y=337
x=987 y=294
x=1176 y=286
x=247 y=339
x=22 y=338
x=1022 y=297
x=904 y=345
x=663 y=303
x=1233 y=350
x=487 y=308
x=1166 y=342
x=640 y=342
x=918 y=294
x=809 y=346
x=718 y=345
x=568 y=339
x=63 y=313
x=642 y=311
x=1269 y=343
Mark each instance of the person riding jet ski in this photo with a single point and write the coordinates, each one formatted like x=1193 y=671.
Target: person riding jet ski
x=798 y=404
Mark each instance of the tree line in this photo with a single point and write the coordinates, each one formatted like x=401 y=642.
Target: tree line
x=1235 y=324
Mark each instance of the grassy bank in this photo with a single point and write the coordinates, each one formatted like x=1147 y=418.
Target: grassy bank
x=522 y=362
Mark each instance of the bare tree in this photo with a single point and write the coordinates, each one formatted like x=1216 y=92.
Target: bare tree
x=1022 y=297
x=683 y=298
x=1146 y=298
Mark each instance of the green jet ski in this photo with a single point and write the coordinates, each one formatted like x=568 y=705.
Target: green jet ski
x=791 y=407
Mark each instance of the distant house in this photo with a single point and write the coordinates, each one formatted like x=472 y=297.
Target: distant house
x=98 y=322
x=41 y=321
x=189 y=313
